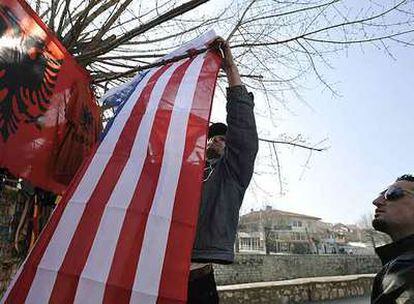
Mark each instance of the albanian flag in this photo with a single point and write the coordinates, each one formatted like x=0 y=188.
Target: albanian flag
x=124 y=230
x=49 y=120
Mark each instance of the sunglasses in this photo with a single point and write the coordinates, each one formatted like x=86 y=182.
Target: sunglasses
x=395 y=193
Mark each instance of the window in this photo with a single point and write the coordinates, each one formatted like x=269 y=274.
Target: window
x=244 y=243
x=255 y=244
x=297 y=236
x=296 y=224
x=250 y=244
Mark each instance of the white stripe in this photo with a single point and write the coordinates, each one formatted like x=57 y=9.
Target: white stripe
x=148 y=274
x=91 y=286
x=52 y=259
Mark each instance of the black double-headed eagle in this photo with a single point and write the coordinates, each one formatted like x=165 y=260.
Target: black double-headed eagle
x=28 y=75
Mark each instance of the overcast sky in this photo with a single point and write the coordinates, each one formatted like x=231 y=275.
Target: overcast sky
x=369 y=133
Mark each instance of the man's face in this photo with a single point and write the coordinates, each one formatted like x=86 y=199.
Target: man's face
x=215 y=146
x=396 y=215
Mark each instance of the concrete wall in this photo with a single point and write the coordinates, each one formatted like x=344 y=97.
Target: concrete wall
x=249 y=268
x=297 y=290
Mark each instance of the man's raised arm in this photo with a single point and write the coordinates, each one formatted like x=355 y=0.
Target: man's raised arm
x=241 y=137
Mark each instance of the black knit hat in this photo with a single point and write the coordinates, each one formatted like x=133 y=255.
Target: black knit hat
x=217 y=128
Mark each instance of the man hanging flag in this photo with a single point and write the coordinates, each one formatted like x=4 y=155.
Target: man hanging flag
x=124 y=229
x=48 y=115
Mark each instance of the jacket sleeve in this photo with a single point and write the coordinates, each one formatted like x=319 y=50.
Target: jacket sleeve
x=398 y=282
x=241 y=138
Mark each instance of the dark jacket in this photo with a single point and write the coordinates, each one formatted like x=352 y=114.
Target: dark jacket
x=226 y=180
x=395 y=282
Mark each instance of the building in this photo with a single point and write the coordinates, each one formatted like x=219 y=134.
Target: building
x=358 y=240
x=276 y=231
x=271 y=231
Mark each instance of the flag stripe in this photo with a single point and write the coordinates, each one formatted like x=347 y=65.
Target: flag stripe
x=93 y=278
x=147 y=278
x=63 y=225
x=74 y=261
x=124 y=263
x=173 y=286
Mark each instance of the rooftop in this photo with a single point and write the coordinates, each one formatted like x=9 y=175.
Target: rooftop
x=269 y=211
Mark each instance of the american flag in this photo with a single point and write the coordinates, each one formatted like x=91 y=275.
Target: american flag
x=123 y=232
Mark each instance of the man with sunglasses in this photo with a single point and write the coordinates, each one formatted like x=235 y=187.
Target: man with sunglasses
x=394 y=215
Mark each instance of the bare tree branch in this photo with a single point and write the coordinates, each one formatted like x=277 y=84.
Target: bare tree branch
x=279 y=173
x=105 y=28
x=111 y=76
x=85 y=58
x=282 y=142
x=236 y=27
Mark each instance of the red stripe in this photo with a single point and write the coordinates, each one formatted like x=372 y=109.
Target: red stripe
x=123 y=268
x=67 y=279
x=174 y=279
x=23 y=283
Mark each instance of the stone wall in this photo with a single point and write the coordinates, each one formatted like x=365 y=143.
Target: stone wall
x=249 y=268
x=297 y=290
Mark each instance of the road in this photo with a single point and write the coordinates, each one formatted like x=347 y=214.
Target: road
x=359 y=300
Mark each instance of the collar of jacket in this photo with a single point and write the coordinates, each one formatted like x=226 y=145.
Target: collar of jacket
x=209 y=167
x=391 y=251
x=211 y=162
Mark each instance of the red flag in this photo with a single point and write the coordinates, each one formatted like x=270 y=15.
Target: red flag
x=49 y=119
x=124 y=230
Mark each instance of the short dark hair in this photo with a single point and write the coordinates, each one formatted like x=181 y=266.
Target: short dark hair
x=217 y=128
x=406 y=177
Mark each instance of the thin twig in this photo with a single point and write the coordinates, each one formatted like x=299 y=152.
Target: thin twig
x=282 y=142
x=279 y=174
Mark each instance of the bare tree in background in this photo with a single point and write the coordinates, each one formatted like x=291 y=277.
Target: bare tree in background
x=369 y=234
x=280 y=46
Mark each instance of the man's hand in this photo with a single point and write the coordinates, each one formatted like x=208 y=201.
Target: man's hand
x=228 y=66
